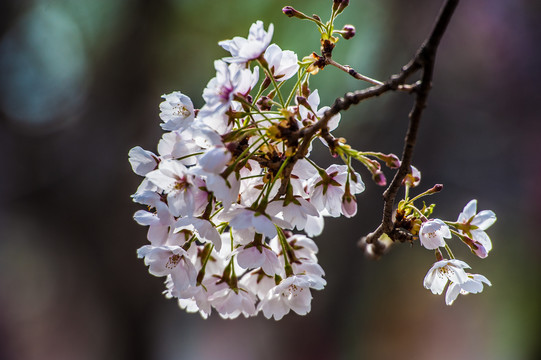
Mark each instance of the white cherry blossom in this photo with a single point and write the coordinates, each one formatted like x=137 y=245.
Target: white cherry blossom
x=177 y=111
x=442 y=272
x=293 y=293
x=282 y=64
x=170 y=260
x=231 y=303
x=183 y=189
x=474 y=224
x=204 y=228
x=142 y=161
x=251 y=257
x=246 y=49
x=433 y=232
x=230 y=81
x=473 y=285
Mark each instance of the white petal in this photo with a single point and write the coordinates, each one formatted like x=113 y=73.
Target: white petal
x=484 y=219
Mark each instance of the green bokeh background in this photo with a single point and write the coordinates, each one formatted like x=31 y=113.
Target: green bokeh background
x=80 y=84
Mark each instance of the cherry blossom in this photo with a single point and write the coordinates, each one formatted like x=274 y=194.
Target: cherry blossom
x=231 y=182
x=170 y=260
x=433 y=232
x=142 y=161
x=474 y=224
x=442 y=272
x=293 y=293
x=246 y=49
x=473 y=285
x=177 y=111
x=282 y=64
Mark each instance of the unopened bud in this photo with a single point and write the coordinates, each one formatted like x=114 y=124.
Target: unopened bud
x=301 y=100
x=475 y=246
x=413 y=178
x=348 y=31
x=264 y=103
x=435 y=189
x=339 y=5
x=379 y=178
x=291 y=12
x=349 y=205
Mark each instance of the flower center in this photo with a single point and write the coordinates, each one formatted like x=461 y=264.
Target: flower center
x=173 y=261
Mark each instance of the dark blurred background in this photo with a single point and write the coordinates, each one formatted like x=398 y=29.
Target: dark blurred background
x=80 y=84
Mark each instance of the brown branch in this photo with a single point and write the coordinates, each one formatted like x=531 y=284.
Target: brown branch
x=424 y=59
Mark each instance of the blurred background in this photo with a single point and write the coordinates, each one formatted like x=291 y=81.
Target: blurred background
x=80 y=84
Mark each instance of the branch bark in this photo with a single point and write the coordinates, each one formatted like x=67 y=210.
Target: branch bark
x=425 y=60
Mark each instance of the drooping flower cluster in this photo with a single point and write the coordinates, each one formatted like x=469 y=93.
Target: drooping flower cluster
x=222 y=215
x=470 y=228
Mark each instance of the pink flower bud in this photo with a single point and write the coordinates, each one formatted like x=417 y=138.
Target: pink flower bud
x=476 y=247
x=379 y=178
x=339 y=5
x=349 y=205
x=348 y=31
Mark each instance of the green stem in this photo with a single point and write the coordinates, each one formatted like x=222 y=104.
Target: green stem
x=285 y=249
x=448 y=249
x=297 y=84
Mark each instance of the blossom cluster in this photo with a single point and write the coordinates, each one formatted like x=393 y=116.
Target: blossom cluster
x=469 y=228
x=227 y=228
x=233 y=198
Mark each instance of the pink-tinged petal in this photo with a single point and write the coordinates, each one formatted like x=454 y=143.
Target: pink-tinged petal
x=160 y=180
x=484 y=219
x=263 y=225
x=215 y=159
x=242 y=220
x=158 y=234
x=271 y=265
x=250 y=258
x=482 y=237
x=142 y=161
x=349 y=206
x=146 y=218
x=314 y=225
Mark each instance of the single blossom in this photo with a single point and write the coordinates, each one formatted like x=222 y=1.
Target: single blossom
x=433 y=232
x=442 y=272
x=244 y=218
x=231 y=80
x=474 y=224
x=185 y=196
x=170 y=260
x=309 y=111
x=142 y=161
x=177 y=111
x=328 y=188
x=246 y=49
x=282 y=64
x=230 y=303
x=252 y=256
x=473 y=285
x=292 y=293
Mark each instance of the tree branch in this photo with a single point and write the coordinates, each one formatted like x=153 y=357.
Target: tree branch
x=424 y=59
